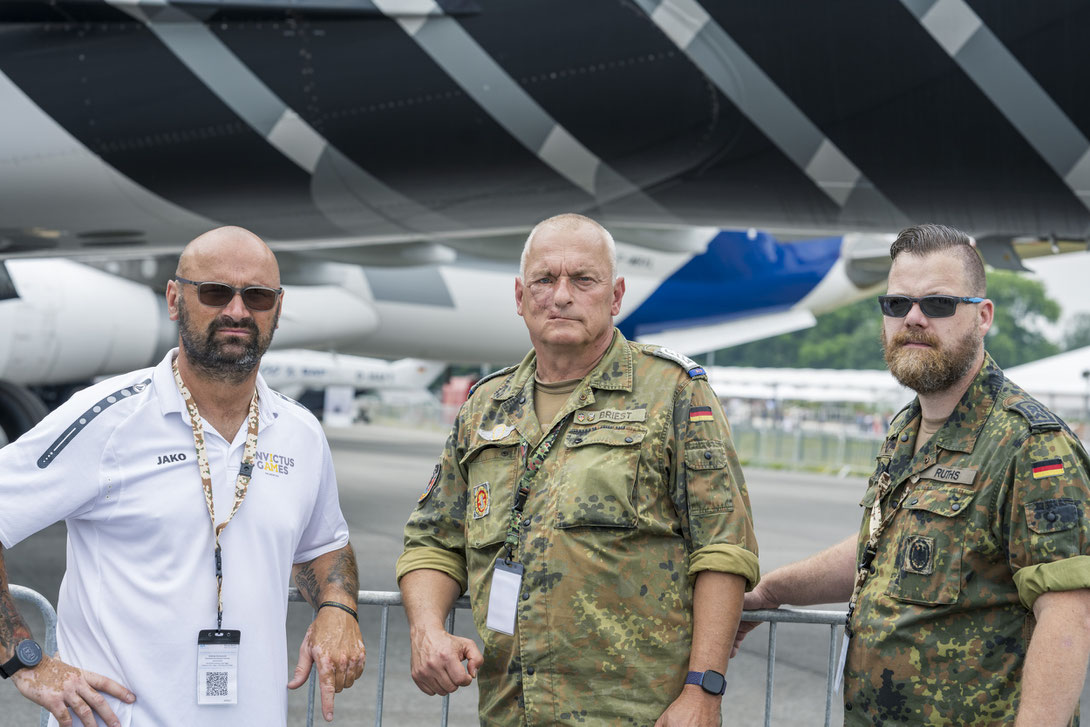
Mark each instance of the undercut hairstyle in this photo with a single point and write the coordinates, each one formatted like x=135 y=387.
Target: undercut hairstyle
x=569 y=221
x=924 y=240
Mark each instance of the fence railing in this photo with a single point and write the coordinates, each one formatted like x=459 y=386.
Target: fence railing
x=386 y=599
x=49 y=616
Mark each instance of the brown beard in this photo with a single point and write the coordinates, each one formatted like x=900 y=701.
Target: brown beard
x=928 y=371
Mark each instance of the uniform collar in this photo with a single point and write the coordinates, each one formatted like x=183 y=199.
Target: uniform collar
x=613 y=372
x=515 y=397
x=170 y=399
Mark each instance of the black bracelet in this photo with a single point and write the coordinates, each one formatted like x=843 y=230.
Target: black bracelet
x=341 y=606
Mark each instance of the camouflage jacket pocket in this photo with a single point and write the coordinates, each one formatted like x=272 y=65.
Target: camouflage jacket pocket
x=1054 y=531
x=599 y=477
x=493 y=472
x=930 y=542
x=1052 y=516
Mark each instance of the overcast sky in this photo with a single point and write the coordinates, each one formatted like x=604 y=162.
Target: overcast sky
x=1067 y=279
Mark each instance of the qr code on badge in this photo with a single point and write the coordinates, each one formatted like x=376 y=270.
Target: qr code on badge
x=215 y=684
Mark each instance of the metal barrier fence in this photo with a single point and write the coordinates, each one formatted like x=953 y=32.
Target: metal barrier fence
x=386 y=599
x=829 y=451
x=49 y=616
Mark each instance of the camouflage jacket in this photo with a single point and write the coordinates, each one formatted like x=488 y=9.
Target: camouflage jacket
x=993 y=512
x=641 y=490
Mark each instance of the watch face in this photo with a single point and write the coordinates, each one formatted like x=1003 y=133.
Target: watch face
x=713 y=682
x=28 y=652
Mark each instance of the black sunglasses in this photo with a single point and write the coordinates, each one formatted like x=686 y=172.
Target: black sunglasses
x=932 y=306
x=218 y=295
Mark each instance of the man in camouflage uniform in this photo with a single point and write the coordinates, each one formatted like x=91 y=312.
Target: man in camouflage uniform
x=968 y=582
x=605 y=469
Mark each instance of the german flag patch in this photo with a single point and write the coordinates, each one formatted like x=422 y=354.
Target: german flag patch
x=1047 y=468
x=701 y=414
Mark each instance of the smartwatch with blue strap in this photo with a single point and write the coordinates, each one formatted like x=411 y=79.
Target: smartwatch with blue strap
x=710 y=681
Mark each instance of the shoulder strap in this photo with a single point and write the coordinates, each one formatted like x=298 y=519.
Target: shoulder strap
x=695 y=370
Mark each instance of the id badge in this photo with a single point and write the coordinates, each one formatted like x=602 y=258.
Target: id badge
x=503 y=599
x=217 y=666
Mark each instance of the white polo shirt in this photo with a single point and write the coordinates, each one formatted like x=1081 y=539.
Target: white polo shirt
x=118 y=465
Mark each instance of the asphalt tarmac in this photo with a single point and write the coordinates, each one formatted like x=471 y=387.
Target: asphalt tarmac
x=381 y=472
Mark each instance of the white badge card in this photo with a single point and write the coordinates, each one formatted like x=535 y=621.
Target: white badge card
x=840 y=665
x=503 y=599
x=217 y=666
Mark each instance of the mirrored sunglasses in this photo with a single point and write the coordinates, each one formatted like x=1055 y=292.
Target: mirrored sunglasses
x=218 y=295
x=932 y=306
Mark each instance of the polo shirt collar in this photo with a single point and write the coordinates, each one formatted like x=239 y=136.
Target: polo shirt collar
x=170 y=399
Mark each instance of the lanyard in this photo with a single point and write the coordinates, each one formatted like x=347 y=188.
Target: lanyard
x=241 y=484
x=533 y=465
x=878 y=524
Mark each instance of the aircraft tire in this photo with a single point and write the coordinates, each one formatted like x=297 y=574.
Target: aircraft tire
x=20 y=410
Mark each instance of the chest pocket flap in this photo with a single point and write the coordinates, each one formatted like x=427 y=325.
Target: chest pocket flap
x=597 y=489
x=493 y=469
x=945 y=501
x=931 y=545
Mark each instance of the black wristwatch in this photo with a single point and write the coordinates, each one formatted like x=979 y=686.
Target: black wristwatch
x=27 y=656
x=710 y=681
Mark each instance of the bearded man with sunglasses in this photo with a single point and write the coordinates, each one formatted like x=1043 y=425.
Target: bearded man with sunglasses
x=969 y=582
x=192 y=493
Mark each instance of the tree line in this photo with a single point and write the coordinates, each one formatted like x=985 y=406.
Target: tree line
x=849 y=337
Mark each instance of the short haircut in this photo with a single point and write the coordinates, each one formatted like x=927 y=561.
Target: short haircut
x=570 y=221
x=924 y=240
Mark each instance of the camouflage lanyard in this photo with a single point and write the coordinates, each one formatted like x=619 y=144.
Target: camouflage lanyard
x=878 y=524
x=241 y=484
x=533 y=465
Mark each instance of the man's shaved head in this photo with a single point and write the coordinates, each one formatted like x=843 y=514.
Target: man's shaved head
x=224 y=343
x=225 y=253
x=575 y=224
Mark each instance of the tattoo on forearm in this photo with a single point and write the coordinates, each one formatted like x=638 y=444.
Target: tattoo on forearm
x=344 y=573
x=12 y=627
x=307 y=581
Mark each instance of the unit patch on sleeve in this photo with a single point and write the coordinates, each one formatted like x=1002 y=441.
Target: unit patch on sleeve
x=482 y=502
x=701 y=414
x=1047 y=468
x=431 y=485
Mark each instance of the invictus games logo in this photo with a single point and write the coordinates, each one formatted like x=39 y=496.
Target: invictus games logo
x=274 y=464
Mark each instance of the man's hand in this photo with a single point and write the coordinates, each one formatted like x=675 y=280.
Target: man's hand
x=334 y=643
x=756 y=599
x=59 y=687
x=437 y=658
x=693 y=708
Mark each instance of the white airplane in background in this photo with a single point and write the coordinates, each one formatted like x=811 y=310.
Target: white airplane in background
x=751 y=159
x=293 y=371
